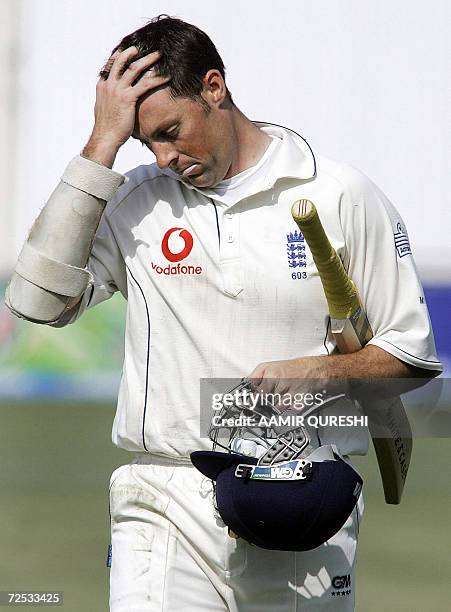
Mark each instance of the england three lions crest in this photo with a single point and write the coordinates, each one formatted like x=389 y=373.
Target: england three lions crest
x=296 y=255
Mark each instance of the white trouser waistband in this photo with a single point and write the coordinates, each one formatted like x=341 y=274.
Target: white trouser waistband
x=151 y=459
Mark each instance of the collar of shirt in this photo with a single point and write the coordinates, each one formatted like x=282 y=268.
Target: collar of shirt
x=294 y=159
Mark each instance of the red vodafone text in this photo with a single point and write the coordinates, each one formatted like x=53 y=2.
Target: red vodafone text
x=176 y=255
x=178 y=269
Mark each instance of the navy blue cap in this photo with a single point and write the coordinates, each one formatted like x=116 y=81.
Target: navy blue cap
x=282 y=514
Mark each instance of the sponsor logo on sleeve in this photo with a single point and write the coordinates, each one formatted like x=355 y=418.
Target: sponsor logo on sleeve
x=402 y=243
x=176 y=245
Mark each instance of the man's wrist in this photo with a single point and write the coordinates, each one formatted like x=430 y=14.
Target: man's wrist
x=100 y=151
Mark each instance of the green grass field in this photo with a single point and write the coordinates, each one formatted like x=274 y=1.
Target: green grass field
x=54 y=527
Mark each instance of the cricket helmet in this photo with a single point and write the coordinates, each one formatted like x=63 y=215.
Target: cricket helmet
x=272 y=487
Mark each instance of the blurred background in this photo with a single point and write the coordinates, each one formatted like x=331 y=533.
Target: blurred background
x=366 y=83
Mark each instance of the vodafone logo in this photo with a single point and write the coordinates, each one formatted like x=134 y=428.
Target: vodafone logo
x=176 y=245
x=186 y=250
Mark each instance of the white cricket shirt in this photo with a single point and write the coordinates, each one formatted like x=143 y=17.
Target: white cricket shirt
x=217 y=284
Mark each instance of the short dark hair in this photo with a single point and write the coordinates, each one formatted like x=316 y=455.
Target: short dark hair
x=187 y=54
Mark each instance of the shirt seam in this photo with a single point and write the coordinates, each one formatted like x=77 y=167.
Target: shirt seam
x=403 y=351
x=109 y=214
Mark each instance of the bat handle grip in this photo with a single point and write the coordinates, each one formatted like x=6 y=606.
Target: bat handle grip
x=339 y=290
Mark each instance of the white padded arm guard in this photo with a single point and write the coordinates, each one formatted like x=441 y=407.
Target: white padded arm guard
x=50 y=271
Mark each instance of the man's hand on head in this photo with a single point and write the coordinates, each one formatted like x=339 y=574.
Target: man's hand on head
x=116 y=99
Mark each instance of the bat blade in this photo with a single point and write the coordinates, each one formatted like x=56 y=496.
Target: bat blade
x=392 y=440
x=388 y=423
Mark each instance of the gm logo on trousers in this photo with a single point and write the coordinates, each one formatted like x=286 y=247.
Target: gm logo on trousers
x=341 y=582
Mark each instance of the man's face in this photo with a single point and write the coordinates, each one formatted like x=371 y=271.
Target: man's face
x=186 y=138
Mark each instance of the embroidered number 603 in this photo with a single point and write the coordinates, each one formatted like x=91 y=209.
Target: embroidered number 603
x=296 y=275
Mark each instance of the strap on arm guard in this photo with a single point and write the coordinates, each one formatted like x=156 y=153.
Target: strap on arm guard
x=50 y=271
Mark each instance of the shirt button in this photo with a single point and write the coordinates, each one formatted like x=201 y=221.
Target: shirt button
x=230 y=238
x=229 y=215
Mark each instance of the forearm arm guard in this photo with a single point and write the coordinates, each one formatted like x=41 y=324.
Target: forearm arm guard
x=50 y=272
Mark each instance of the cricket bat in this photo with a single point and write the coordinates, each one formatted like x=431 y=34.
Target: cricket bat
x=387 y=421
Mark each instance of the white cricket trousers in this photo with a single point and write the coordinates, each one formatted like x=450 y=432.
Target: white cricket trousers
x=170 y=553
